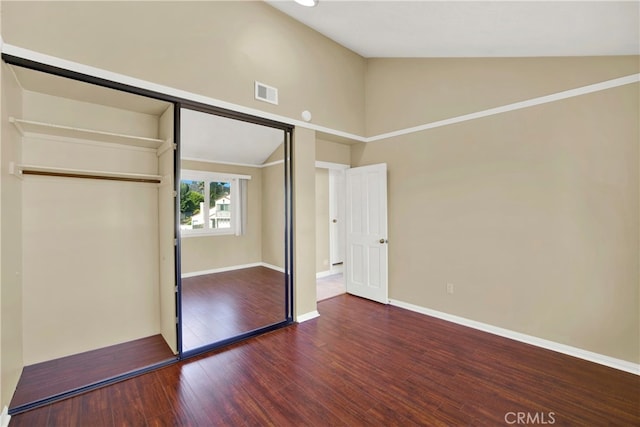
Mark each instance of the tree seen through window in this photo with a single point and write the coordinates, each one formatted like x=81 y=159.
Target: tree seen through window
x=205 y=204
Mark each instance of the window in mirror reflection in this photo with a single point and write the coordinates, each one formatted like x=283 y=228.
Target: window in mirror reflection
x=211 y=203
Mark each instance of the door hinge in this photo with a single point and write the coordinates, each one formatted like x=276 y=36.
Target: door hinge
x=175 y=194
x=175 y=242
x=177 y=321
x=176 y=289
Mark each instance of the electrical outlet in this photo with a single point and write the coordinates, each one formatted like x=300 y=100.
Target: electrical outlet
x=449 y=288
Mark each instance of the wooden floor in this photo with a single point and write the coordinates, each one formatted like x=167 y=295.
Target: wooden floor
x=362 y=363
x=223 y=305
x=215 y=307
x=46 y=379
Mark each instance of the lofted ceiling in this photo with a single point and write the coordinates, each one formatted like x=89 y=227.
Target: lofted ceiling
x=379 y=29
x=214 y=138
x=394 y=29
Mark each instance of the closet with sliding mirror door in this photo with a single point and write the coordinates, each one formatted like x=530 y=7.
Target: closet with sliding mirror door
x=234 y=227
x=93 y=182
x=147 y=228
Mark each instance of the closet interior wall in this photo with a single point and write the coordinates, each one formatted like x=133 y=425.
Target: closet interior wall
x=98 y=255
x=166 y=231
x=10 y=240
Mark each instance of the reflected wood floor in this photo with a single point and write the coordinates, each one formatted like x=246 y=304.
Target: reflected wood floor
x=46 y=379
x=361 y=363
x=223 y=305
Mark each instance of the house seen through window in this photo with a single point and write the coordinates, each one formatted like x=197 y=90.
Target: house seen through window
x=207 y=203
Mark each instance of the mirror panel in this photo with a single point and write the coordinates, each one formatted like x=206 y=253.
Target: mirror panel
x=232 y=227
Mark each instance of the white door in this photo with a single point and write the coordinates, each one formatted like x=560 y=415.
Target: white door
x=366 y=232
x=336 y=213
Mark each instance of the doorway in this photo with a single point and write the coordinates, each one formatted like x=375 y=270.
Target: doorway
x=357 y=200
x=330 y=229
x=366 y=232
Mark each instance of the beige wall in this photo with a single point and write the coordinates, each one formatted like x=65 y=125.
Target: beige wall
x=401 y=93
x=91 y=276
x=216 y=49
x=273 y=214
x=11 y=355
x=532 y=215
x=204 y=253
x=304 y=221
x=2 y=375
x=87 y=115
x=333 y=152
x=322 y=220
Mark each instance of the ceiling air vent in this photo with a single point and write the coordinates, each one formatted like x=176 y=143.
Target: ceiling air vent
x=266 y=93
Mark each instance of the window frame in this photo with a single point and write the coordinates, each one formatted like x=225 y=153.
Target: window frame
x=208 y=177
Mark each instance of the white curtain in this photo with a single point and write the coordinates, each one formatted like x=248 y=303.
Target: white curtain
x=240 y=211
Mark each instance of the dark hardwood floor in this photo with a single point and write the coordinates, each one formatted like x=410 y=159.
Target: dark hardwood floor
x=215 y=307
x=362 y=363
x=53 y=377
x=223 y=305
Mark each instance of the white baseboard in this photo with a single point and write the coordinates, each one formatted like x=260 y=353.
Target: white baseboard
x=231 y=268
x=326 y=273
x=5 y=417
x=307 y=316
x=623 y=365
x=220 y=270
x=334 y=270
x=273 y=267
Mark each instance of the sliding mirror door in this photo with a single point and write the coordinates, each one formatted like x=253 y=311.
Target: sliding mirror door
x=234 y=279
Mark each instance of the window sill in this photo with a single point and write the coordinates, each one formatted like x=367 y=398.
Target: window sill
x=207 y=233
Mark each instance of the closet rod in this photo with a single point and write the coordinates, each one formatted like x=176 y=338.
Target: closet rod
x=89 y=176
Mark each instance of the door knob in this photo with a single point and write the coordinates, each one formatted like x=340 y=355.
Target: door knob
x=334 y=221
x=383 y=241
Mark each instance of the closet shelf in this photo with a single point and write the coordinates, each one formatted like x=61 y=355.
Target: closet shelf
x=20 y=170
x=30 y=126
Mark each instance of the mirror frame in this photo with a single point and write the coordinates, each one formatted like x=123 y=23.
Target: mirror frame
x=288 y=224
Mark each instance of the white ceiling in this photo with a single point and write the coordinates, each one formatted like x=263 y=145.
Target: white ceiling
x=208 y=137
x=475 y=28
